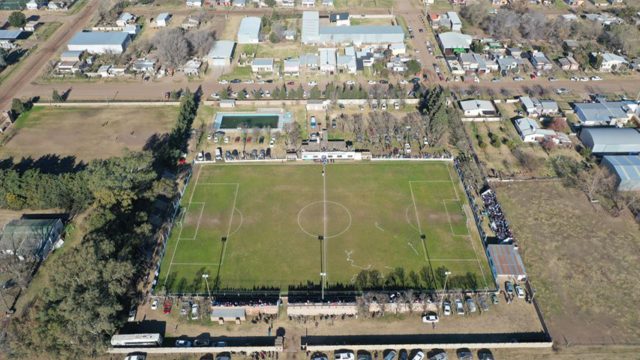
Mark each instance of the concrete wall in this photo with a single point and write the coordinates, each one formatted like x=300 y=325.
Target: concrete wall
x=480 y=119
x=397 y=347
x=192 y=350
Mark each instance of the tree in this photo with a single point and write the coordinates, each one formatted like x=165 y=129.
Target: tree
x=56 y=97
x=314 y=93
x=17 y=19
x=3 y=58
x=18 y=106
x=475 y=13
x=173 y=47
x=274 y=38
x=270 y=3
x=558 y=124
x=596 y=61
x=199 y=42
x=413 y=66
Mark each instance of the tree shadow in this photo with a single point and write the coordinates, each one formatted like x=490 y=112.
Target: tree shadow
x=46 y=164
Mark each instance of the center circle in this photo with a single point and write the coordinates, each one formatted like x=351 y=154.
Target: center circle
x=311 y=219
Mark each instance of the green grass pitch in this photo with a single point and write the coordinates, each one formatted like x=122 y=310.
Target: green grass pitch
x=252 y=226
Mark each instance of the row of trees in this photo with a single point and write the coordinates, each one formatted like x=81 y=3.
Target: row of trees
x=426 y=278
x=171 y=150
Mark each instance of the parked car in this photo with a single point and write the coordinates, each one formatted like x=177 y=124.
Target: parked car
x=194 y=312
x=201 y=342
x=485 y=354
x=350 y=82
x=364 y=355
x=561 y=91
x=344 y=355
x=223 y=356
x=508 y=287
x=464 y=354
x=446 y=308
x=312 y=83
x=494 y=299
x=135 y=357
x=154 y=304
x=438 y=354
x=459 y=307
x=183 y=343
x=403 y=355
x=391 y=355
x=518 y=78
x=223 y=82
x=319 y=356
x=520 y=292
x=430 y=318
x=236 y=81
x=418 y=355
x=471 y=305
x=132 y=313
x=596 y=78
x=482 y=300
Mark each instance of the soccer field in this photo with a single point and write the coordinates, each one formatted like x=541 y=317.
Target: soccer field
x=278 y=226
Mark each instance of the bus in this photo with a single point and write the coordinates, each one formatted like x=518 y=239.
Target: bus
x=136 y=340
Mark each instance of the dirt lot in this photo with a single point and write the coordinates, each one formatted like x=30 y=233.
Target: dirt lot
x=582 y=262
x=86 y=133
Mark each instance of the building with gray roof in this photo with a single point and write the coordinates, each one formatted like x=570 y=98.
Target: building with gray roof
x=453 y=43
x=611 y=140
x=603 y=112
x=30 y=238
x=10 y=35
x=99 y=42
x=313 y=33
x=626 y=169
x=249 y=31
x=221 y=53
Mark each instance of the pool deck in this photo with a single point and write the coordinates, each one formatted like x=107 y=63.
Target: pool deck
x=284 y=117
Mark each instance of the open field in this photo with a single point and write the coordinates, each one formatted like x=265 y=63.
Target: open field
x=236 y=227
x=582 y=262
x=85 y=132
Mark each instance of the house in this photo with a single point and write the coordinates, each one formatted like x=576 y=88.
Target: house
x=163 y=19
x=239 y=3
x=347 y=63
x=190 y=23
x=308 y=3
x=194 y=3
x=507 y=64
x=132 y=29
x=626 y=169
x=568 y=63
x=505 y=262
x=605 y=113
x=125 y=18
x=221 y=53
x=516 y=52
x=574 y=3
x=611 y=62
x=398 y=49
x=289 y=35
x=32 y=5
x=540 y=61
x=71 y=56
x=144 y=66
x=328 y=60
x=249 y=30
x=287 y=3
x=396 y=65
x=31 y=26
x=535 y=107
x=478 y=108
x=570 y=45
x=530 y=131
x=192 y=67
x=30 y=238
x=611 y=140
x=57 y=5
x=453 y=43
x=313 y=33
x=69 y=67
x=262 y=65
x=292 y=66
x=340 y=19
x=11 y=35
x=327 y=2
x=434 y=20
x=472 y=62
x=97 y=42
x=310 y=61
x=455 y=24
x=604 y=19
x=223 y=315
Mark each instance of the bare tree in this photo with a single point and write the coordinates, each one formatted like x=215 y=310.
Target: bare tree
x=596 y=180
x=200 y=42
x=173 y=47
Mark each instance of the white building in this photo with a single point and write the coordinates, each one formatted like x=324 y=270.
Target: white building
x=292 y=66
x=192 y=67
x=194 y=3
x=221 y=53
x=98 y=42
x=340 y=19
x=249 y=30
x=478 y=108
x=535 y=107
x=611 y=62
x=32 y=5
x=163 y=20
x=262 y=65
x=454 y=21
x=125 y=18
x=530 y=131
x=328 y=60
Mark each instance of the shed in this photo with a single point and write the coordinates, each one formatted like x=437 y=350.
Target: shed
x=221 y=53
x=10 y=35
x=505 y=262
x=262 y=65
x=626 y=169
x=249 y=31
x=222 y=315
x=163 y=19
x=71 y=56
x=340 y=19
x=611 y=141
x=478 y=108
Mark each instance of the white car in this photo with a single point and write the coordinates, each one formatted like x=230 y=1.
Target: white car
x=312 y=83
x=446 y=308
x=573 y=78
x=561 y=91
x=132 y=314
x=248 y=81
x=418 y=356
x=459 y=307
x=135 y=357
x=596 y=78
x=194 y=312
x=261 y=82
x=350 y=82
x=223 y=82
x=403 y=82
x=584 y=79
x=430 y=318
x=154 y=304
x=372 y=82
x=344 y=355
x=215 y=96
x=520 y=292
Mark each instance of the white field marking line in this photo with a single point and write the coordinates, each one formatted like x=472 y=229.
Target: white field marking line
x=217 y=183
x=324 y=221
x=353 y=263
x=415 y=208
x=413 y=248
x=453 y=183
x=406 y=217
x=195 y=235
x=180 y=233
x=453 y=260
x=233 y=211
x=378 y=226
x=196 y=264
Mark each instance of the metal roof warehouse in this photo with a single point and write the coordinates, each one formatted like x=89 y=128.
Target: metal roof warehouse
x=627 y=170
x=100 y=42
x=611 y=140
x=249 y=31
x=505 y=261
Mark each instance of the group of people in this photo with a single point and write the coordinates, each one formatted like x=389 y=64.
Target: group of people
x=245 y=300
x=499 y=224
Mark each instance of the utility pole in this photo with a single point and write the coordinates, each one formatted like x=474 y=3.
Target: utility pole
x=206 y=280
x=444 y=290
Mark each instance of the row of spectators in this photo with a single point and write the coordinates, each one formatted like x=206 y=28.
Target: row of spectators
x=499 y=223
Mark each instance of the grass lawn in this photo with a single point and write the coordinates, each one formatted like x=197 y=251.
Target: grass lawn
x=271 y=216
x=85 y=132
x=582 y=262
x=350 y=4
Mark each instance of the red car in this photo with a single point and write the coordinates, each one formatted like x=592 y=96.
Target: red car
x=533 y=76
x=291 y=83
x=167 y=306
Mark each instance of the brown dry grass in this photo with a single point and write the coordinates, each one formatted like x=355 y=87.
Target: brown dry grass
x=583 y=262
x=86 y=133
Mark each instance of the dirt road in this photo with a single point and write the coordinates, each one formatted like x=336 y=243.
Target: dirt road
x=34 y=64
